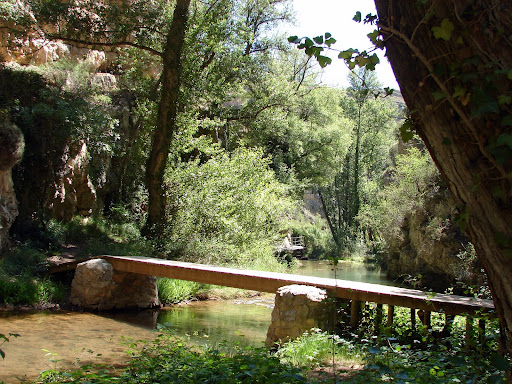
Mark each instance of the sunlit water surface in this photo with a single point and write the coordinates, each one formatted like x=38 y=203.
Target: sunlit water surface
x=73 y=339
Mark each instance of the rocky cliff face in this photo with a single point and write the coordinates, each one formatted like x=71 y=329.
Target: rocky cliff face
x=430 y=249
x=73 y=192
x=11 y=152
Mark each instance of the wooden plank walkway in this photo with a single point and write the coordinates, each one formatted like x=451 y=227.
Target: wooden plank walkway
x=272 y=281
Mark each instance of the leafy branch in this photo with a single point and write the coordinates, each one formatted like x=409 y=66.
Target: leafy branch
x=5 y=339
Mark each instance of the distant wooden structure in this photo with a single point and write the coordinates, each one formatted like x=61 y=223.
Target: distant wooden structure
x=293 y=245
x=261 y=281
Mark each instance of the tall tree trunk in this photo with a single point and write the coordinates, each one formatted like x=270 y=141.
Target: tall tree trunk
x=355 y=187
x=451 y=84
x=166 y=121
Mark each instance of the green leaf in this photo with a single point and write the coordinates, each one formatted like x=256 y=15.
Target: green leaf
x=357 y=17
x=308 y=42
x=504 y=139
x=346 y=54
x=439 y=95
x=483 y=103
x=327 y=35
x=294 y=39
x=330 y=41
x=507 y=120
x=459 y=92
x=319 y=39
x=2 y=354
x=499 y=362
x=444 y=31
x=324 y=61
x=504 y=99
x=406 y=130
x=373 y=36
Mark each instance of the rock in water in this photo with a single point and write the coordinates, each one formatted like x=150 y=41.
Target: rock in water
x=98 y=286
x=298 y=308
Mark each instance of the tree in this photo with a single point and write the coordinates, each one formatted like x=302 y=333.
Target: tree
x=223 y=48
x=166 y=119
x=453 y=62
x=367 y=157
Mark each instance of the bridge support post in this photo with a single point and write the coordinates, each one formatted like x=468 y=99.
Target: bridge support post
x=481 y=330
x=378 y=319
x=413 y=319
x=391 y=313
x=355 y=313
x=98 y=286
x=469 y=332
x=298 y=308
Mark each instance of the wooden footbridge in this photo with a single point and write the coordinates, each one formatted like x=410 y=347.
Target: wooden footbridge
x=261 y=281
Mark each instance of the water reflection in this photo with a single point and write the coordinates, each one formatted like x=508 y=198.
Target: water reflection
x=345 y=270
x=244 y=321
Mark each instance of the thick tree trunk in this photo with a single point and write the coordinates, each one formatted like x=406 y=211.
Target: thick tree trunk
x=451 y=85
x=166 y=120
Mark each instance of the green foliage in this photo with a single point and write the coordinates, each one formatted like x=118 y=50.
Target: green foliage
x=414 y=177
x=317 y=237
x=358 y=177
x=173 y=291
x=169 y=360
x=230 y=209
x=5 y=339
x=96 y=236
x=316 y=348
x=20 y=281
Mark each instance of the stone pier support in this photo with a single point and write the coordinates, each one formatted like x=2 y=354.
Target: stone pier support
x=98 y=286
x=298 y=308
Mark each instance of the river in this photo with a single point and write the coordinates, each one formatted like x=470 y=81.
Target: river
x=65 y=339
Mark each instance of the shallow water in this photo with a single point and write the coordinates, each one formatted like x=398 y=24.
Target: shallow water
x=78 y=338
x=345 y=270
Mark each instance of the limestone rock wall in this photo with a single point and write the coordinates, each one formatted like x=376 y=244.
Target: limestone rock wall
x=11 y=152
x=97 y=286
x=298 y=308
x=430 y=245
x=73 y=191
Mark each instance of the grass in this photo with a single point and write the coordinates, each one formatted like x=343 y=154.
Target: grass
x=317 y=348
x=173 y=291
x=22 y=280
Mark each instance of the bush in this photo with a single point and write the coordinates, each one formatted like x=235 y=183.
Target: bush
x=168 y=360
x=228 y=210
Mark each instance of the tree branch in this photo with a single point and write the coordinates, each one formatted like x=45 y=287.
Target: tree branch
x=99 y=44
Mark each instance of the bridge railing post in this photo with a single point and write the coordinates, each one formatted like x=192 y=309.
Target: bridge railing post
x=481 y=330
x=469 y=331
x=355 y=313
x=391 y=313
x=378 y=319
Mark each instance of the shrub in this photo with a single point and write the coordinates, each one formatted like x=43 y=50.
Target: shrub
x=228 y=210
